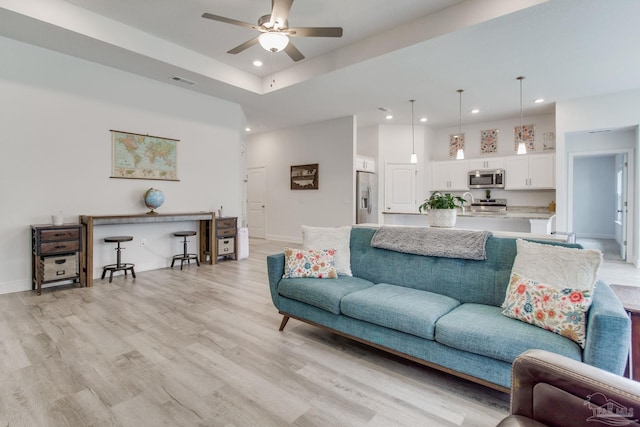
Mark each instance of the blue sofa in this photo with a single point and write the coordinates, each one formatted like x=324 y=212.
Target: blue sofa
x=442 y=312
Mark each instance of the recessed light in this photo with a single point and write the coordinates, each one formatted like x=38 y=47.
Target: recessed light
x=388 y=117
x=423 y=119
x=247 y=129
x=538 y=100
x=257 y=63
x=475 y=111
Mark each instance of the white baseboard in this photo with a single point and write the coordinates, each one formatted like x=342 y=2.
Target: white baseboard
x=595 y=236
x=290 y=239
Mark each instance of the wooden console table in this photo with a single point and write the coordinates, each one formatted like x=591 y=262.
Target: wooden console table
x=629 y=296
x=206 y=228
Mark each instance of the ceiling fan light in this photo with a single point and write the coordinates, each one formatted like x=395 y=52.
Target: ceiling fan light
x=273 y=42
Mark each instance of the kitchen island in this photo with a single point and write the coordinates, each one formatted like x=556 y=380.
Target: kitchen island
x=515 y=219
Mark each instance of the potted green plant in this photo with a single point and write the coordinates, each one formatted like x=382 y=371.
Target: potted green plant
x=442 y=209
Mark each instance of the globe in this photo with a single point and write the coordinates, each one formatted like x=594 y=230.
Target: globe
x=153 y=199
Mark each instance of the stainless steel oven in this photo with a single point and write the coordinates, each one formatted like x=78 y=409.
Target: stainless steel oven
x=491 y=178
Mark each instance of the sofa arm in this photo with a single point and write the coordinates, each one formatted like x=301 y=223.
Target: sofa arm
x=558 y=391
x=608 y=331
x=275 y=270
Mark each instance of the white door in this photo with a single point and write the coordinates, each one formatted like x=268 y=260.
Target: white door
x=517 y=173
x=542 y=171
x=400 y=188
x=459 y=174
x=256 y=201
x=621 y=203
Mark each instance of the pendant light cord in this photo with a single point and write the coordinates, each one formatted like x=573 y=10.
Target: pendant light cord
x=521 y=78
x=460 y=116
x=413 y=131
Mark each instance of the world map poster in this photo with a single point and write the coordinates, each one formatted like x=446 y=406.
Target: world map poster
x=143 y=156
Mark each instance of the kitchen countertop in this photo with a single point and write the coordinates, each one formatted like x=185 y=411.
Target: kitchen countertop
x=511 y=234
x=509 y=214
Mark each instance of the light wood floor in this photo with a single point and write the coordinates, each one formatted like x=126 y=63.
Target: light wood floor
x=201 y=347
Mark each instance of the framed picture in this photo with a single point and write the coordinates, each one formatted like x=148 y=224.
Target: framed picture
x=304 y=177
x=489 y=141
x=455 y=143
x=138 y=156
x=528 y=137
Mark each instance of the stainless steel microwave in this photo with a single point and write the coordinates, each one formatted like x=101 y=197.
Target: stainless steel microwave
x=492 y=178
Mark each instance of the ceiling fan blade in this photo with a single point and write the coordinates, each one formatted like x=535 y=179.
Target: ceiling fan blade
x=280 y=11
x=293 y=52
x=228 y=20
x=244 y=46
x=315 y=32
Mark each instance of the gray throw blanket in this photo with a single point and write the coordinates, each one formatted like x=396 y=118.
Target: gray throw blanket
x=447 y=243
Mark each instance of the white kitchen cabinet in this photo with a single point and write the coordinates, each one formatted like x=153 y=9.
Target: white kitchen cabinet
x=530 y=172
x=365 y=164
x=449 y=175
x=400 y=187
x=481 y=164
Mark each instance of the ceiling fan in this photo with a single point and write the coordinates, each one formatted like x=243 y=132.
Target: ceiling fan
x=275 y=31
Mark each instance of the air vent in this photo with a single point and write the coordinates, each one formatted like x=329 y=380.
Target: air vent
x=183 y=81
x=600 y=131
x=384 y=110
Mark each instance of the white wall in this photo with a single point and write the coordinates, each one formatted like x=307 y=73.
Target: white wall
x=395 y=146
x=332 y=145
x=367 y=144
x=594 y=197
x=611 y=111
x=506 y=146
x=55 y=114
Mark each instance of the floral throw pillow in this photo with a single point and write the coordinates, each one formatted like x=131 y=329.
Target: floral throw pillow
x=309 y=263
x=562 y=311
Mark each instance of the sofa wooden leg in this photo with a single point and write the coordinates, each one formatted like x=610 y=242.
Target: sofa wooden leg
x=285 y=319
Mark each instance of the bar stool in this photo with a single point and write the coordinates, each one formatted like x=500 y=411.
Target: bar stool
x=184 y=256
x=119 y=265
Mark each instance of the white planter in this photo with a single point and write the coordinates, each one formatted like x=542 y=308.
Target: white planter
x=442 y=217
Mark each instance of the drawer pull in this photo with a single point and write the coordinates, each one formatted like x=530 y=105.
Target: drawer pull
x=60 y=272
x=61 y=246
x=60 y=261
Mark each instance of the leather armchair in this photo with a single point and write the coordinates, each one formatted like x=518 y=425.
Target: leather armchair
x=552 y=390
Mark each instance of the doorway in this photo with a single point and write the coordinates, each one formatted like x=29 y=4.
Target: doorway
x=257 y=202
x=599 y=196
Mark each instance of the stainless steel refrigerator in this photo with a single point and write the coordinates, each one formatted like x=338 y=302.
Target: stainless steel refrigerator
x=366 y=194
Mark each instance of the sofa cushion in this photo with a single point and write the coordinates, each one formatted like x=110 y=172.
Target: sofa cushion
x=324 y=294
x=337 y=238
x=482 y=329
x=309 y=263
x=562 y=311
x=556 y=265
x=404 y=309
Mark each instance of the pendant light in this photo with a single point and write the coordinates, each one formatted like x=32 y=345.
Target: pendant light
x=414 y=157
x=460 y=153
x=522 y=148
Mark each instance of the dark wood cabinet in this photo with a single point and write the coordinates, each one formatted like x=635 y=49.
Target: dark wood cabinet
x=55 y=254
x=629 y=296
x=226 y=238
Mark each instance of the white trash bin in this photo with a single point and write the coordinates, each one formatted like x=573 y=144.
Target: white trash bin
x=243 y=243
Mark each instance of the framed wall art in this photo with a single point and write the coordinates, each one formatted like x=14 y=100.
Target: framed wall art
x=304 y=177
x=489 y=141
x=138 y=156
